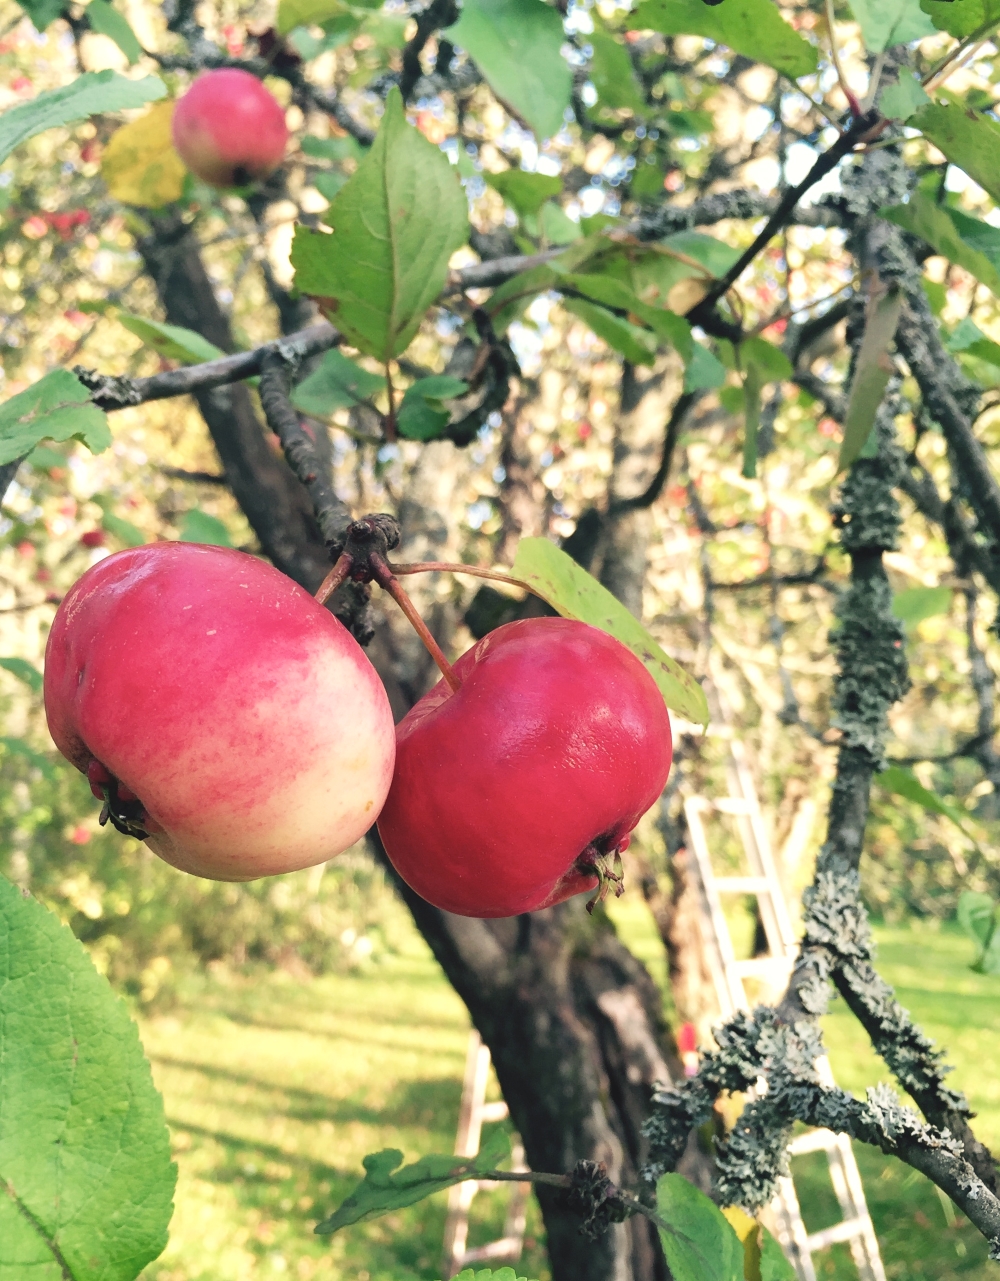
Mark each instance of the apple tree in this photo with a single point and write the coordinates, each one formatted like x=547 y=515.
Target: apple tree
x=702 y=293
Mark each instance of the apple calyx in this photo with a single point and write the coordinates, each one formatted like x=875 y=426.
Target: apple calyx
x=125 y=813
x=607 y=866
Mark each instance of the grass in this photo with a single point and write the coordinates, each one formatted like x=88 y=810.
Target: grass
x=276 y=1088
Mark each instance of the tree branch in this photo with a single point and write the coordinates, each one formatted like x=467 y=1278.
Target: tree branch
x=438 y=14
x=655 y=487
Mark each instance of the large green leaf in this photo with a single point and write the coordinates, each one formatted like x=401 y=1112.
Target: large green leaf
x=969 y=339
x=969 y=140
x=931 y=222
x=524 y=192
x=57 y=407
x=395 y=225
x=612 y=74
x=24 y=671
x=171 y=341
x=886 y=22
x=385 y=1187
x=872 y=372
x=517 y=46
x=93 y=92
x=962 y=18
x=505 y=1274
x=900 y=100
x=338 y=383
x=105 y=19
x=700 y=1245
x=981 y=236
x=636 y=344
x=199 y=527
x=903 y=782
x=84 y=1151
x=42 y=12
x=754 y=28
x=574 y=593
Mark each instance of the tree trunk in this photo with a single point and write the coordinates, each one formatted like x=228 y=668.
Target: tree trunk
x=572 y=1019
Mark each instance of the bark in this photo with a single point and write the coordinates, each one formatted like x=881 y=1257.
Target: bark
x=572 y=1019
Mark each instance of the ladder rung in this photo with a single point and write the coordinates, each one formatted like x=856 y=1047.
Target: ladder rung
x=504 y=1248
x=494 y=1112
x=814 y=1141
x=743 y=884
x=845 y=1231
x=734 y=805
x=758 y=967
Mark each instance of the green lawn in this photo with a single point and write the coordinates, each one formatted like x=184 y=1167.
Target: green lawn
x=277 y=1087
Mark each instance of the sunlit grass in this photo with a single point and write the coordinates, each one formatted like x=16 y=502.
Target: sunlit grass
x=276 y=1087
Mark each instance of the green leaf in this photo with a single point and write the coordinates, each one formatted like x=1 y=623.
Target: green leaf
x=636 y=344
x=704 y=370
x=901 y=100
x=84 y=1148
x=24 y=671
x=968 y=140
x=872 y=372
x=42 y=12
x=386 y=1187
x=903 y=782
x=969 y=339
x=199 y=527
x=754 y=28
x=752 y=384
x=517 y=45
x=773 y=1264
x=422 y=416
x=961 y=17
x=573 y=593
x=18 y=747
x=712 y=253
x=105 y=19
x=57 y=407
x=123 y=530
x=701 y=1245
x=770 y=361
x=978 y=235
x=338 y=383
x=912 y=605
x=395 y=225
x=980 y=918
x=171 y=341
x=556 y=226
x=525 y=192
x=613 y=75
x=346 y=148
x=307 y=13
x=96 y=91
x=922 y=217
x=886 y=22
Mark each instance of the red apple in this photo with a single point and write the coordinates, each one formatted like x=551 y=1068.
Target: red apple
x=228 y=129
x=552 y=749
x=219 y=708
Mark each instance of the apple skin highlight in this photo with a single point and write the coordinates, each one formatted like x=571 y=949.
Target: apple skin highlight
x=228 y=129
x=244 y=717
x=557 y=738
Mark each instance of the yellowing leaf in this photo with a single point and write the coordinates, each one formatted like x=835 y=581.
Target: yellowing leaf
x=140 y=164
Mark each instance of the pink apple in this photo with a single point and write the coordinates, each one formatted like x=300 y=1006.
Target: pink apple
x=228 y=129
x=233 y=718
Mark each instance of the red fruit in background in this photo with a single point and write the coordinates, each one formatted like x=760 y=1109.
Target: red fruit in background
x=228 y=129
x=93 y=538
x=218 y=708
x=553 y=748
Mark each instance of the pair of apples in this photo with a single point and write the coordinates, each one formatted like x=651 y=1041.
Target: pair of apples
x=232 y=722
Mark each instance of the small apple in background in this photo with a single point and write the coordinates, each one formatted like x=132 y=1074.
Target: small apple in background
x=228 y=129
x=554 y=746
x=219 y=709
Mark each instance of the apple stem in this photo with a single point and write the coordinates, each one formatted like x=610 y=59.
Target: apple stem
x=387 y=580
x=428 y=566
x=339 y=574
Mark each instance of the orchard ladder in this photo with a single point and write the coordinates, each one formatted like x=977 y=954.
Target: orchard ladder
x=474 y=1112
x=728 y=974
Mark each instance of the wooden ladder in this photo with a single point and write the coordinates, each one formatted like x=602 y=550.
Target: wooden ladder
x=729 y=974
x=473 y=1113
